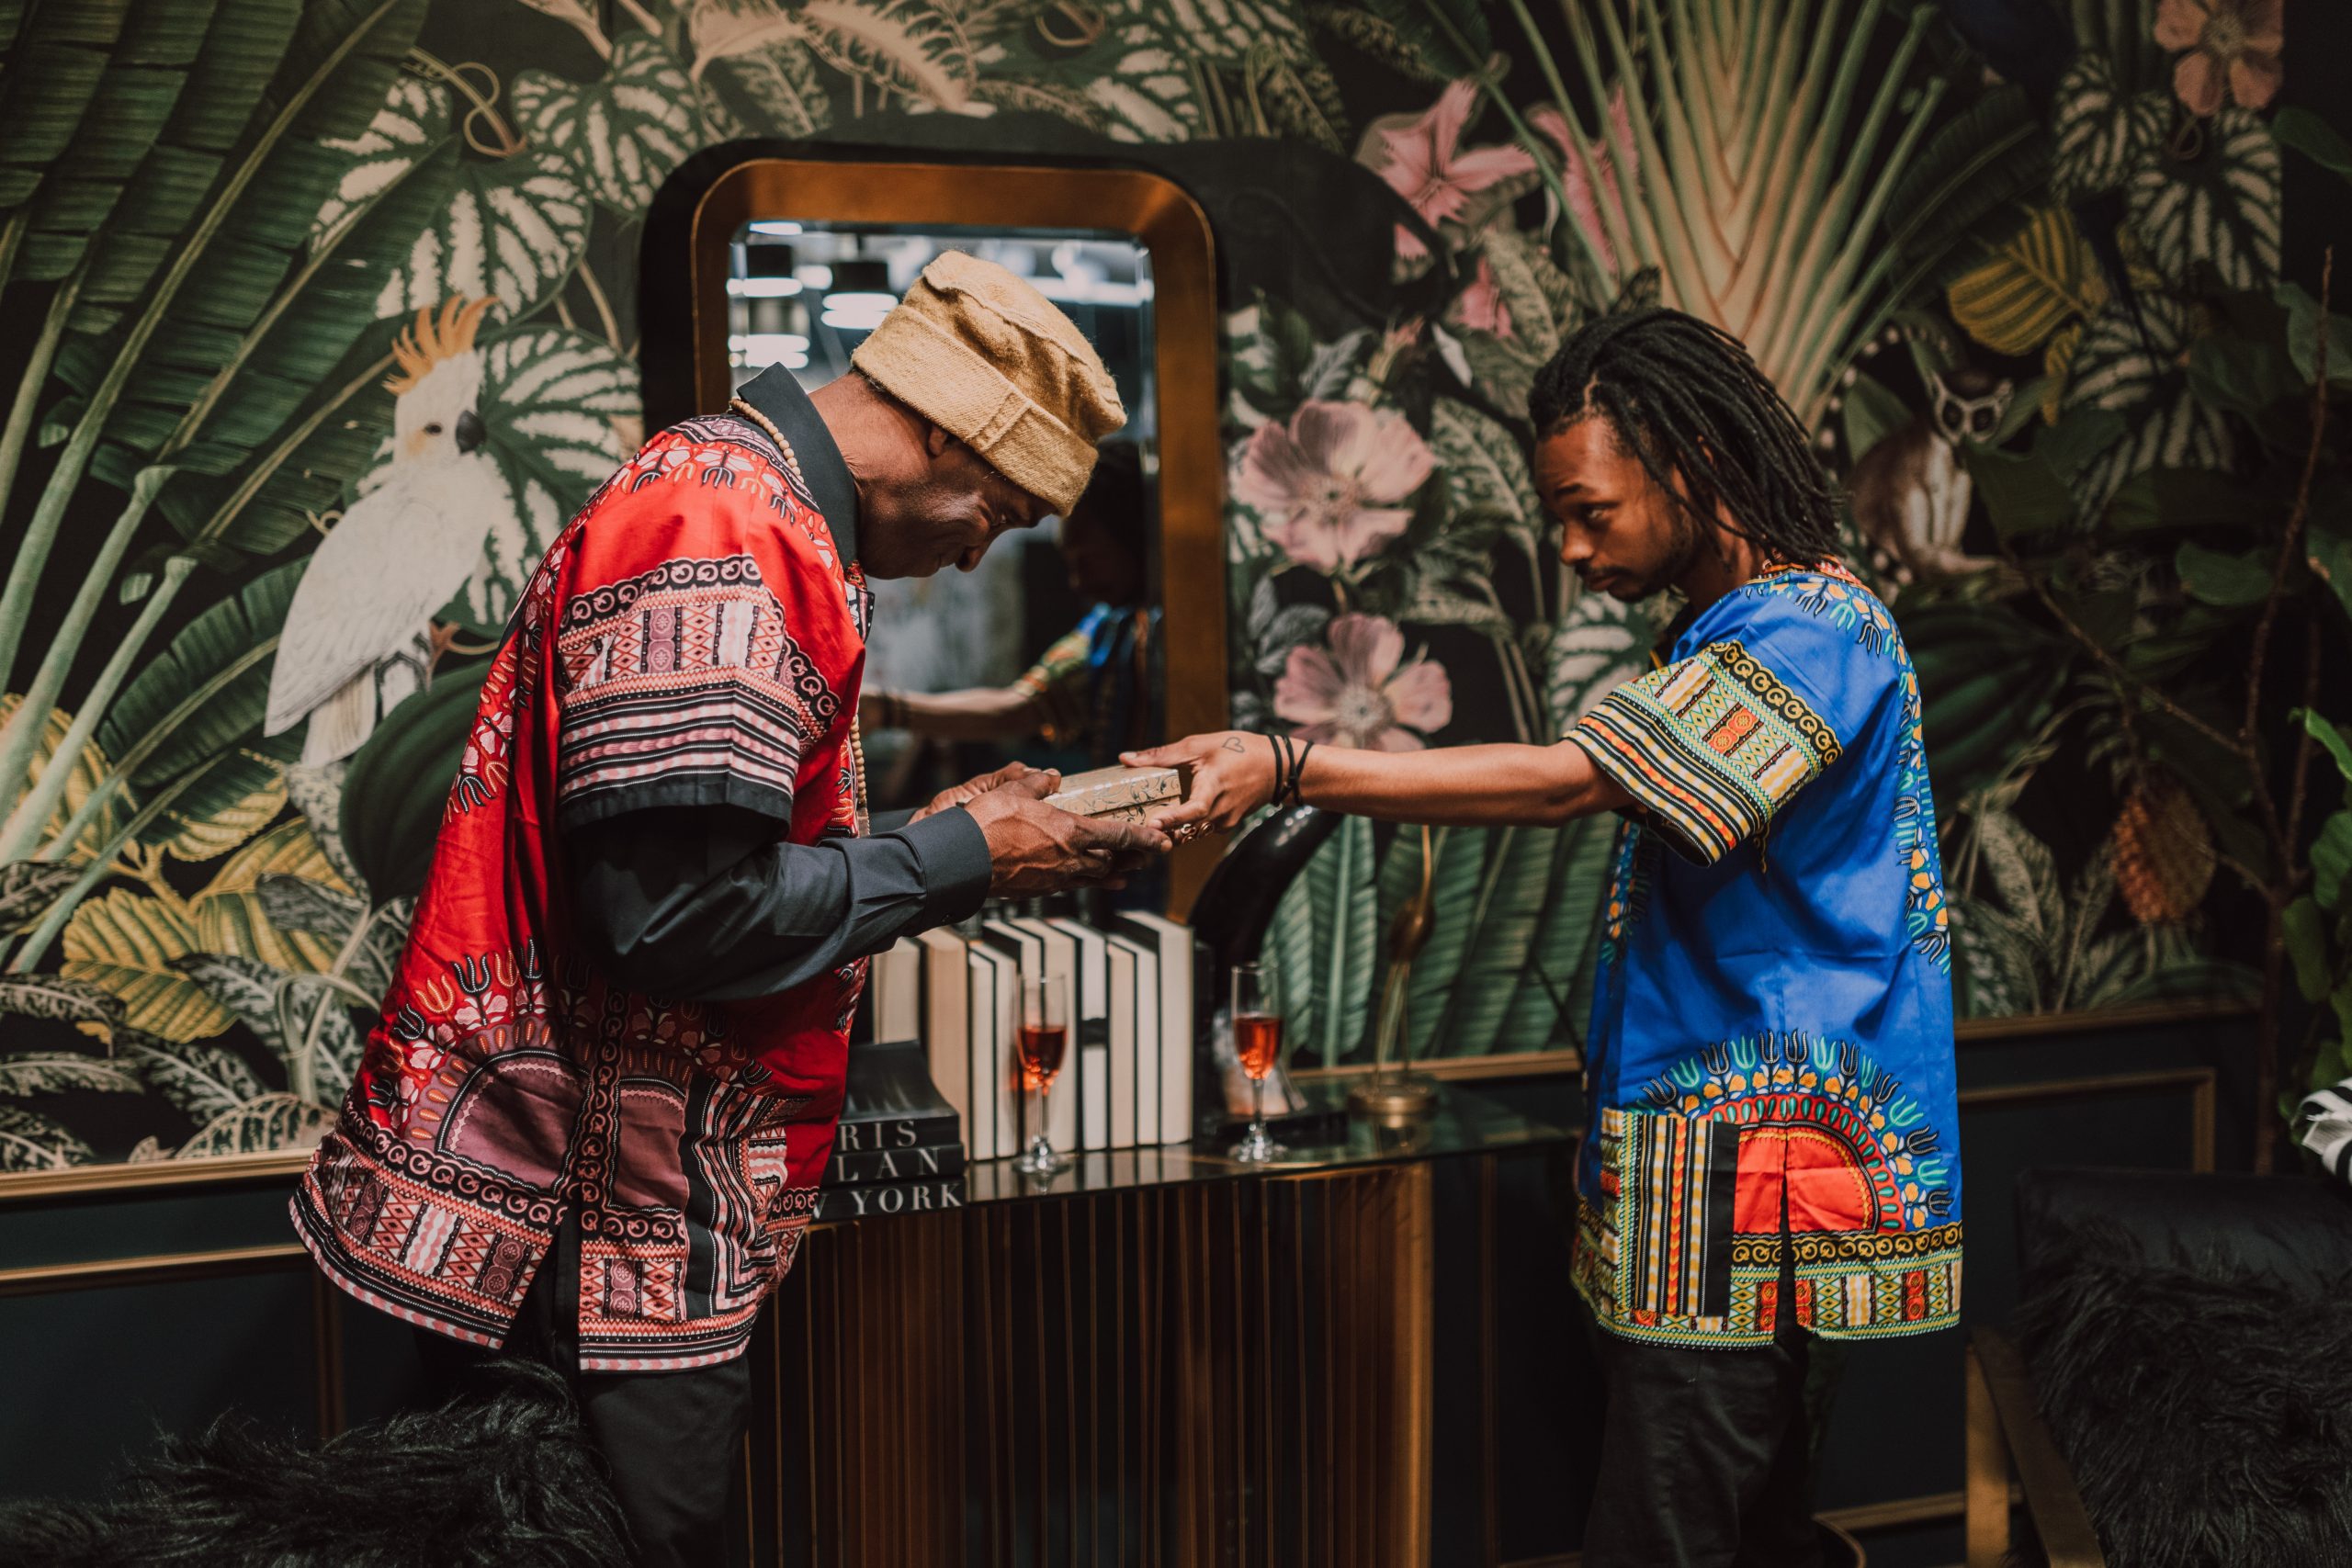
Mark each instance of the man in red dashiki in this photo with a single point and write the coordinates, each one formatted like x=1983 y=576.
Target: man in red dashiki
x=1774 y=1155
x=590 y=1125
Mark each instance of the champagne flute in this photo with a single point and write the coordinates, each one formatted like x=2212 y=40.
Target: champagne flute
x=1045 y=1034
x=1258 y=1038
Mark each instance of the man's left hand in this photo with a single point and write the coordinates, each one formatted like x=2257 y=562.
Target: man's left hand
x=966 y=792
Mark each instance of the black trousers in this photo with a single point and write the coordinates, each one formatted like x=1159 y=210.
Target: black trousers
x=671 y=1440
x=1706 y=1457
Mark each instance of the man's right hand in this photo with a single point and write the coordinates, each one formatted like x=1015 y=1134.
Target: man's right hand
x=1035 y=847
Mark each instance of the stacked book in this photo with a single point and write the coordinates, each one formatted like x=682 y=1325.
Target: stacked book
x=899 y=1146
x=1128 y=990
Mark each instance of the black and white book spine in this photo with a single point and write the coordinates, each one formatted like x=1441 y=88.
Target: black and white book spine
x=865 y=1202
x=1178 y=976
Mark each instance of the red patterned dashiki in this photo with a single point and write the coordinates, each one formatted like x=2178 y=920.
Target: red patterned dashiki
x=693 y=637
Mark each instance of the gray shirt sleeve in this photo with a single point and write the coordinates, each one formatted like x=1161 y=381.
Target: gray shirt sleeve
x=703 y=904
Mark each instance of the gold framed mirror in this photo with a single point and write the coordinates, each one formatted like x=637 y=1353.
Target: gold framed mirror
x=785 y=195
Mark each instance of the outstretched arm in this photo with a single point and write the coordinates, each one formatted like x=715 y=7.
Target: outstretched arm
x=1233 y=775
x=976 y=713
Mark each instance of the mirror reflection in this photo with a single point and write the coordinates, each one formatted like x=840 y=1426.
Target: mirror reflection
x=1049 y=649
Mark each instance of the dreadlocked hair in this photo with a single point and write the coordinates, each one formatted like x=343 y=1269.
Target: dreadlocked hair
x=1686 y=400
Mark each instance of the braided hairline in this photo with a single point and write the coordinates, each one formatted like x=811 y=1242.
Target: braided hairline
x=1687 y=401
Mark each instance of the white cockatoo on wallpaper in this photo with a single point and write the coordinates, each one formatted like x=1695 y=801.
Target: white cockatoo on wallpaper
x=359 y=637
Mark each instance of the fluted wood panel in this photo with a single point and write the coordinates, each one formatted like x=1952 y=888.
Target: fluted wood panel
x=1232 y=1373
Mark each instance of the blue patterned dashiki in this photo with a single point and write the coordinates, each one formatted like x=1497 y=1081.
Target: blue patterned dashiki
x=1771 y=1058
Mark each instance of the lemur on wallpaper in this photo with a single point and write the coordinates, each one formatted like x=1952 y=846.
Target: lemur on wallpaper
x=1911 y=491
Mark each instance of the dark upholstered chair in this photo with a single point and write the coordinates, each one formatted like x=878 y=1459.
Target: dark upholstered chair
x=2177 y=1389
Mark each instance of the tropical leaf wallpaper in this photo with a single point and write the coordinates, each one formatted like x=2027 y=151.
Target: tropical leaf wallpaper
x=301 y=294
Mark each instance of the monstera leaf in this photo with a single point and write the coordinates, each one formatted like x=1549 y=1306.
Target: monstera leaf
x=2104 y=136
x=413 y=121
x=2130 y=363
x=512 y=228
x=1141 y=88
x=550 y=398
x=621 y=135
x=2221 y=209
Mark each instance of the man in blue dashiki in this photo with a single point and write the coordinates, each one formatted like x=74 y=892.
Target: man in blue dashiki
x=1773 y=1153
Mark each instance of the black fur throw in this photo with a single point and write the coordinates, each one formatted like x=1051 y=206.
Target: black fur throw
x=510 y=1480
x=2206 y=1409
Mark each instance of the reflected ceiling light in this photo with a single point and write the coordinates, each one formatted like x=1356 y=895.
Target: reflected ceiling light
x=759 y=350
x=857 y=311
x=815 y=275
x=762 y=288
x=774 y=226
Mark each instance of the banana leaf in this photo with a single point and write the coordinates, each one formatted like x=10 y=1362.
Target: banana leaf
x=399 y=781
x=145 y=74
x=256 y=234
x=55 y=70
x=206 y=694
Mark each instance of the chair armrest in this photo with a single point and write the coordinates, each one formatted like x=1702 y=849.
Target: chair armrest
x=2005 y=1430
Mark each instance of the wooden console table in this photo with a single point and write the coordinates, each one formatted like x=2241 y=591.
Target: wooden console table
x=1159 y=1357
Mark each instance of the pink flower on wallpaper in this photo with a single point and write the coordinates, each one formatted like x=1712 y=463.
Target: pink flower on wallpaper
x=1480 y=306
x=2231 y=44
x=1585 y=183
x=1356 y=694
x=1328 y=483
x=1427 y=167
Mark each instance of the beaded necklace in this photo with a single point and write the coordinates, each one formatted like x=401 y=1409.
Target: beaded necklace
x=856 y=574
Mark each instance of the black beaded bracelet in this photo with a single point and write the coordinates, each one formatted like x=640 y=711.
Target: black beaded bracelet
x=1298 y=774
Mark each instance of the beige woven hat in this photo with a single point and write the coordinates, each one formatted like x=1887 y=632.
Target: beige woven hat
x=989 y=359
